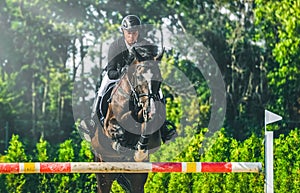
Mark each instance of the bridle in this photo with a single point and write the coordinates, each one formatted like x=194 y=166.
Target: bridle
x=138 y=96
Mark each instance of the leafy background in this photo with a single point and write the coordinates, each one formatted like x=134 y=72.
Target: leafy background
x=255 y=44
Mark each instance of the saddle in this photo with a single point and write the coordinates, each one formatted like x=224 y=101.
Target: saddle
x=105 y=100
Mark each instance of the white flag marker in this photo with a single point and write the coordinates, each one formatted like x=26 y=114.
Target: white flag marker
x=271 y=117
x=269 y=157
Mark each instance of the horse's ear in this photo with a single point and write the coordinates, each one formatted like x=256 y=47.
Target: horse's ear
x=159 y=56
x=138 y=56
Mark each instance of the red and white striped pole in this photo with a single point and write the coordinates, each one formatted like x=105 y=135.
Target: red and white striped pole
x=130 y=167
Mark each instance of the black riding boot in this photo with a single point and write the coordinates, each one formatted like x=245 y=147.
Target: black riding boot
x=168 y=131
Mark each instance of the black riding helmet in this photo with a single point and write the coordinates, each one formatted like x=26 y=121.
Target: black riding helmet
x=131 y=22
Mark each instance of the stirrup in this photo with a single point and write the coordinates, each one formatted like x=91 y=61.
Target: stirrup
x=101 y=121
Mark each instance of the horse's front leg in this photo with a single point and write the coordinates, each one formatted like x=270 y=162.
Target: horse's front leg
x=142 y=153
x=104 y=182
x=108 y=121
x=113 y=129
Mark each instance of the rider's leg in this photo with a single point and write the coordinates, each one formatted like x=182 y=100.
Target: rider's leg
x=96 y=112
x=101 y=91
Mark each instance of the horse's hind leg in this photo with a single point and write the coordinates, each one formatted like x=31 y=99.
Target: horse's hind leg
x=133 y=183
x=104 y=182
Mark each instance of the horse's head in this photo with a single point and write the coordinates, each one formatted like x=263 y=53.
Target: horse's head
x=147 y=79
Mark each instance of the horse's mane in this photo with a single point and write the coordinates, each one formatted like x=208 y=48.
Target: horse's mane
x=146 y=52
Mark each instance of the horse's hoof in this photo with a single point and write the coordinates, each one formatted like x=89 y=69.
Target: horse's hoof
x=170 y=136
x=141 y=155
x=116 y=146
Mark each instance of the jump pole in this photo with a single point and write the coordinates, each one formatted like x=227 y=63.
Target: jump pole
x=130 y=167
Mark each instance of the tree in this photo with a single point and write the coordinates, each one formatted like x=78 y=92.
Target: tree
x=42 y=154
x=37 y=48
x=86 y=182
x=278 y=24
x=15 y=153
x=9 y=99
x=286 y=165
x=227 y=29
x=65 y=183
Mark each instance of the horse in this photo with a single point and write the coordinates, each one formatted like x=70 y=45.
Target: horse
x=130 y=131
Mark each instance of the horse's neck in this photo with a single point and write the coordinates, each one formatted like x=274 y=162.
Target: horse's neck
x=123 y=88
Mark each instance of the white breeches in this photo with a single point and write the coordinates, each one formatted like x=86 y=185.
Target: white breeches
x=104 y=84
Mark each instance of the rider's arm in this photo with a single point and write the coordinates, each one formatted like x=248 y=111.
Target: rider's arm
x=116 y=58
x=112 y=70
x=113 y=61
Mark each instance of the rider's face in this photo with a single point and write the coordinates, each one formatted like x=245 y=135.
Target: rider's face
x=131 y=36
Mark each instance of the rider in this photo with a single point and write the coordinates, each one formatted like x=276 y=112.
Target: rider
x=118 y=57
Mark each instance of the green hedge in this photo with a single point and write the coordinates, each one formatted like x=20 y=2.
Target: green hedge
x=218 y=148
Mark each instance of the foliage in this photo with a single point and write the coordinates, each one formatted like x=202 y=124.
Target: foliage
x=219 y=148
x=223 y=148
x=42 y=149
x=287 y=166
x=15 y=153
x=9 y=99
x=48 y=182
x=61 y=33
x=86 y=182
x=45 y=44
x=279 y=29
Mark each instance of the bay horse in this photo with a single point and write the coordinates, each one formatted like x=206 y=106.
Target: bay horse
x=131 y=126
